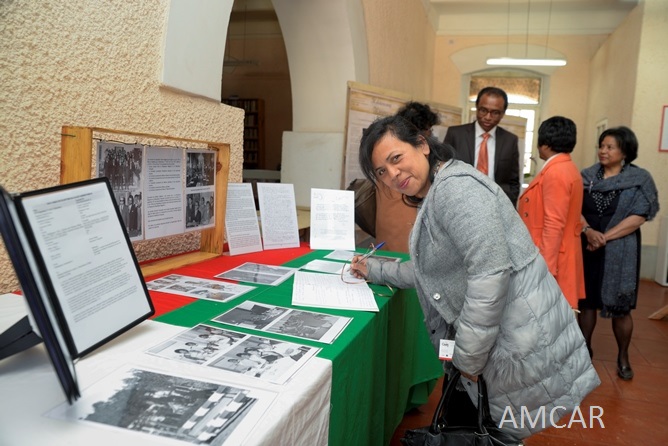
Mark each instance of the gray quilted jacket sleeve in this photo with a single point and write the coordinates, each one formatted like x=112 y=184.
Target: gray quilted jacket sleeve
x=398 y=275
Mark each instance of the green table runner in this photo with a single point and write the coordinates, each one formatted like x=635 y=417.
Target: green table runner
x=382 y=363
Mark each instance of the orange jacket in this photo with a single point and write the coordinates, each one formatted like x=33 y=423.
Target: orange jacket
x=551 y=208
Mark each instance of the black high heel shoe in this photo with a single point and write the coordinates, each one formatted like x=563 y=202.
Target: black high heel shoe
x=624 y=372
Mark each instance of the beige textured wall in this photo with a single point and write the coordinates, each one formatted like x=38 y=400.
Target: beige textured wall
x=94 y=64
x=401 y=47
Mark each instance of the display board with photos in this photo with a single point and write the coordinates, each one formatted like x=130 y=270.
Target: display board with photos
x=148 y=183
x=79 y=161
x=77 y=270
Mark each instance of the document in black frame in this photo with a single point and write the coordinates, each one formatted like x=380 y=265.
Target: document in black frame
x=78 y=256
x=40 y=308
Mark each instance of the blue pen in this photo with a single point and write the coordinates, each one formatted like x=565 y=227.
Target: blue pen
x=372 y=252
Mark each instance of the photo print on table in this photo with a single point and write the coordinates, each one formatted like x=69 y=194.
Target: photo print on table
x=197 y=345
x=198 y=288
x=258 y=273
x=302 y=324
x=266 y=359
x=177 y=407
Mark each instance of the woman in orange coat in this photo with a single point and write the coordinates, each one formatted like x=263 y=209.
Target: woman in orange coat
x=552 y=204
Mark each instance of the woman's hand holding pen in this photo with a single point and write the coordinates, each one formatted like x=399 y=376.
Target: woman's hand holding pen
x=358 y=267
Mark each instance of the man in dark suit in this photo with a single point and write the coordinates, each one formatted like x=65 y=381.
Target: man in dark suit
x=125 y=212
x=502 y=146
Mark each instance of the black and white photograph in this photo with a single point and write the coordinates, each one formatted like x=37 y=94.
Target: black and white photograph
x=197 y=345
x=309 y=325
x=253 y=315
x=302 y=324
x=200 y=168
x=198 y=288
x=180 y=408
x=258 y=273
x=258 y=357
x=200 y=210
x=122 y=164
x=266 y=359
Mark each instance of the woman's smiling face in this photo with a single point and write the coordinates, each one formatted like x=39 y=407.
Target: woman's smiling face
x=609 y=152
x=402 y=167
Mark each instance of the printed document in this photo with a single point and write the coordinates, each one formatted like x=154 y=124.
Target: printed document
x=241 y=227
x=332 y=219
x=329 y=291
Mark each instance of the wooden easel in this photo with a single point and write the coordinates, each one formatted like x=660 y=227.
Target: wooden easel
x=76 y=163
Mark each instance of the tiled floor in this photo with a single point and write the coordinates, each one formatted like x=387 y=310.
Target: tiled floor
x=634 y=412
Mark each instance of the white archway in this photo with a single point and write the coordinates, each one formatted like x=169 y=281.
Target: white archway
x=326 y=46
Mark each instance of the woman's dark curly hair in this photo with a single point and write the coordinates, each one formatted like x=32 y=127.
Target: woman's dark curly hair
x=404 y=131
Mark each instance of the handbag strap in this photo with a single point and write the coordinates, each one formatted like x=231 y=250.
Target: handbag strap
x=483 y=403
x=443 y=402
x=486 y=414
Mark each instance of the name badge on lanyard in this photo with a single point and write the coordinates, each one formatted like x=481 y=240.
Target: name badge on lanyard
x=446 y=349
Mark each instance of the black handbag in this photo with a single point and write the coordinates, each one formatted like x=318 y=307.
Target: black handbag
x=365 y=205
x=484 y=433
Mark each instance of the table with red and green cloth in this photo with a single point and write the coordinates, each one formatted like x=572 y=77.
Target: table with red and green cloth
x=383 y=363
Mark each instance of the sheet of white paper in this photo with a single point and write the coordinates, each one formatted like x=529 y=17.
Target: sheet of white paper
x=339 y=254
x=278 y=213
x=347 y=256
x=324 y=266
x=329 y=291
x=332 y=219
x=241 y=227
x=164 y=192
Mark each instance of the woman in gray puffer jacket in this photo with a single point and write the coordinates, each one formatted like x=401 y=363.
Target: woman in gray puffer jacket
x=481 y=281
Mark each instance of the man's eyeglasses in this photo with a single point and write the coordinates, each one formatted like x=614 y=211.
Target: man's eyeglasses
x=484 y=111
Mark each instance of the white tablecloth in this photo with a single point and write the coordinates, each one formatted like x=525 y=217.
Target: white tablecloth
x=29 y=388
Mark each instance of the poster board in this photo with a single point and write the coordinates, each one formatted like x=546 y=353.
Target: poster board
x=365 y=104
x=76 y=155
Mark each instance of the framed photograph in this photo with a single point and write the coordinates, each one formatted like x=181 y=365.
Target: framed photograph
x=663 y=138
